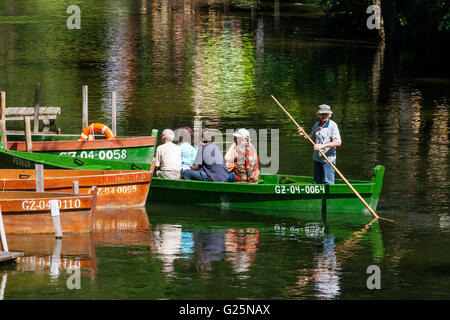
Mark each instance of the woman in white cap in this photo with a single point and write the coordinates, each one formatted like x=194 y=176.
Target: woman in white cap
x=241 y=159
x=326 y=136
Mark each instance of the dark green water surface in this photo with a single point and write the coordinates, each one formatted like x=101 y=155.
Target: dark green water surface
x=174 y=62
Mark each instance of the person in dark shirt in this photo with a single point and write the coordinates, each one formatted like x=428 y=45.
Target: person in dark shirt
x=209 y=164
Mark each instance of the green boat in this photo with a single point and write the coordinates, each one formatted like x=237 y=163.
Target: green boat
x=272 y=192
x=19 y=159
x=131 y=149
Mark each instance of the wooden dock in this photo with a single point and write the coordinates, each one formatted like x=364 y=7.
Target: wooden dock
x=45 y=113
x=9 y=256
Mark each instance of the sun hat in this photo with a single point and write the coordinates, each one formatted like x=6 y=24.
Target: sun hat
x=324 y=108
x=242 y=133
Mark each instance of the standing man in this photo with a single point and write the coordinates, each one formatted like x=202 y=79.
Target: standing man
x=326 y=136
x=168 y=157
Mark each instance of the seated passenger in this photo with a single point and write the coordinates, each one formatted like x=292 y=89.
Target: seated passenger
x=242 y=159
x=168 y=157
x=186 y=144
x=209 y=164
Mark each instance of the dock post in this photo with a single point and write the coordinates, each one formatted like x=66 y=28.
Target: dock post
x=39 y=168
x=113 y=113
x=4 y=137
x=84 y=119
x=54 y=209
x=76 y=187
x=28 y=140
x=37 y=102
x=3 y=105
x=2 y=233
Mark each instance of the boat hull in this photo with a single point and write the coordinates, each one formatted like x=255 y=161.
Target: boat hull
x=271 y=194
x=28 y=160
x=138 y=149
x=116 y=189
x=112 y=154
x=29 y=212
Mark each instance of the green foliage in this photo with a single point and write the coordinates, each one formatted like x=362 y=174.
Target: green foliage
x=346 y=16
x=412 y=18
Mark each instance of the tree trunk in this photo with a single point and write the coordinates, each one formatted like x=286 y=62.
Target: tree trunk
x=388 y=30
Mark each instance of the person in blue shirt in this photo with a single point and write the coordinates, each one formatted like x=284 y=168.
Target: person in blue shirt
x=188 y=151
x=209 y=164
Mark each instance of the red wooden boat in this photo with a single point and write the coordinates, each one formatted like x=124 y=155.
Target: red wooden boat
x=116 y=188
x=29 y=212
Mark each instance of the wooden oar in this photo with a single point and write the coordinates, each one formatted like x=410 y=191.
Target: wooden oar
x=331 y=164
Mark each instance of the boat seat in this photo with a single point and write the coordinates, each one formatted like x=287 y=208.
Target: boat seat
x=268 y=179
x=285 y=180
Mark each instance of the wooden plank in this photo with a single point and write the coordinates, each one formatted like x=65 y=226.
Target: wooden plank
x=39 y=168
x=4 y=134
x=54 y=209
x=37 y=101
x=11 y=110
x=15 y=118
x=28 y=140
x=52 y=110
x=21 y=111
x=3 y=105
x=10 y=256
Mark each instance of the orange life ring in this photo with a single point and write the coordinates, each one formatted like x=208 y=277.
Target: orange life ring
x=97 y=127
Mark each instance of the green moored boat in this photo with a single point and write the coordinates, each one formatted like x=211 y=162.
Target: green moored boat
x=10 y=159
x=131 y=149
x=272 y=192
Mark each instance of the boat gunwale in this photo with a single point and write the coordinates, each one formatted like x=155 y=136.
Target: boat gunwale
x=75 y=174
x=178 y=184
x=44 y=195
x=66 y=145
x=252 y=188
x=52 y=160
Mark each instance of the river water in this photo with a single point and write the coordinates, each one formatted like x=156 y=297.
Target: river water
x=176 y=62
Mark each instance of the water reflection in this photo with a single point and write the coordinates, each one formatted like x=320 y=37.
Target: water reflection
x=43 y=254
x=241 y=246
x=204 y=246
x=3 y=285
x=167 y=241
x=209 y=248
x=122 y=227
x=324 y=277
